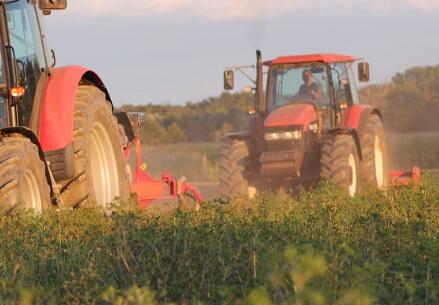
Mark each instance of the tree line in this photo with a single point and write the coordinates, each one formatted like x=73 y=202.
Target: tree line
x=206 y=121
x=409 y=103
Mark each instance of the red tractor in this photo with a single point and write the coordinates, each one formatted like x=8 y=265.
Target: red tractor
x=59 y=139
x=308 y=126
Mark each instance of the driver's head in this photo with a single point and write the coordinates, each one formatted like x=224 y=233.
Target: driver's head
x=307 y=77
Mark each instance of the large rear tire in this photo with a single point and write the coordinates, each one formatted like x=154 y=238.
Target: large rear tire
x=339 y=162
x=374 y=165
x=23 y=182
x=234 y=158
x=100 y=167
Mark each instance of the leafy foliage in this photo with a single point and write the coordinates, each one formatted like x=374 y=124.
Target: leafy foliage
x=317 y=248
x=206 y=121
x=410 y=103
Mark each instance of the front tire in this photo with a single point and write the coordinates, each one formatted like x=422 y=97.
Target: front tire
x=100 y=167
x=23 y=182
x=234 y=158
x=339 y=162
x=373 y=144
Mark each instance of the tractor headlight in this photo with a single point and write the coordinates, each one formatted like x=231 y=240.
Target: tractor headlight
x=272 y=136
x=314 y=127
x=287 y=135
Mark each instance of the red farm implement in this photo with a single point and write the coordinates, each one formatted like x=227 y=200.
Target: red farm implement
x=149 y=189
x=398 y=178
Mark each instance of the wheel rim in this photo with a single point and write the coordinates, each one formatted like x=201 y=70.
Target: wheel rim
x=353 y=176
x=31 y=192
x=251 y=191
x=379 y=162
x=104 y=172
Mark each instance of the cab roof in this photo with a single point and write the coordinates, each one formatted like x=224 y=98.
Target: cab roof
x=324 y=58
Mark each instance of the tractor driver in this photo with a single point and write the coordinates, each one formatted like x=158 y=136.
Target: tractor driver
x=309 y=88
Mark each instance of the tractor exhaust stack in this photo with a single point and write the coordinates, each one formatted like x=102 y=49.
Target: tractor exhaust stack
x=260 y=99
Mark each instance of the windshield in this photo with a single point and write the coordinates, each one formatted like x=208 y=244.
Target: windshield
x=299 y=83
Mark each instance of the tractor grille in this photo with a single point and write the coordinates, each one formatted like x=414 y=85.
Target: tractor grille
x=278 y=163
x=281 y=145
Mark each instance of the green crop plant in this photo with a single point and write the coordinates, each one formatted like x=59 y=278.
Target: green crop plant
x=317 y=247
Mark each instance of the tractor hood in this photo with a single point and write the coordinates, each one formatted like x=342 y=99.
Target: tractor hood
x=294 y=114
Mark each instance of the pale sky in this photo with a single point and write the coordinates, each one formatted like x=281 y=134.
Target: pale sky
x=174 y=51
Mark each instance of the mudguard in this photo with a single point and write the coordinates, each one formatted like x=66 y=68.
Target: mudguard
x=56 y=123
x=239 y=135
x=26 y=132
x=355 y=122
x=357 y=117
x=254 y=134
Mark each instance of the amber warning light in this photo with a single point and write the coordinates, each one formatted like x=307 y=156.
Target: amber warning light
x=17 y=91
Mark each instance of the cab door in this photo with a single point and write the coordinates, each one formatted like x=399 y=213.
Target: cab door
x=24 y=31
x=4 y=93
x=4 y=83
x=341 y=91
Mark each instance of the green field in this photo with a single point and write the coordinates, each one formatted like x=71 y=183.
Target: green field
x=318 y=248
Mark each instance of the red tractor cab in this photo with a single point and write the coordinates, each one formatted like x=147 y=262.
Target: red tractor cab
x=308 y=126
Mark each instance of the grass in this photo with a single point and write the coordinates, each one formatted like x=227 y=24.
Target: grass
x=319 y=248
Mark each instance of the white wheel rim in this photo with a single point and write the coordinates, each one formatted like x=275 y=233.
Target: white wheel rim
x=104 y=172
x=30 y=192
x=251 y=191
x=379 y=162
x=353 y=170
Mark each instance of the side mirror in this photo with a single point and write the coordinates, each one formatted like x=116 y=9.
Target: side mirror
x=363 y=72
x=229 y=80
x=48 y=5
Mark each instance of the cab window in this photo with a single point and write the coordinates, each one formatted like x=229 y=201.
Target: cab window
x=3 y=101
x=340 y=82
x=353 y=84
x=298 y=83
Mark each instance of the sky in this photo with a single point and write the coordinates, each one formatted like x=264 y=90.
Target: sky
x=175 y=51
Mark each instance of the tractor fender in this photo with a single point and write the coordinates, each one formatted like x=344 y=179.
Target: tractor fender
x=254 y=134
x=56 y=120
x=352 y=132
x=239 y=135
x=26 y=132
x=358 y=115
